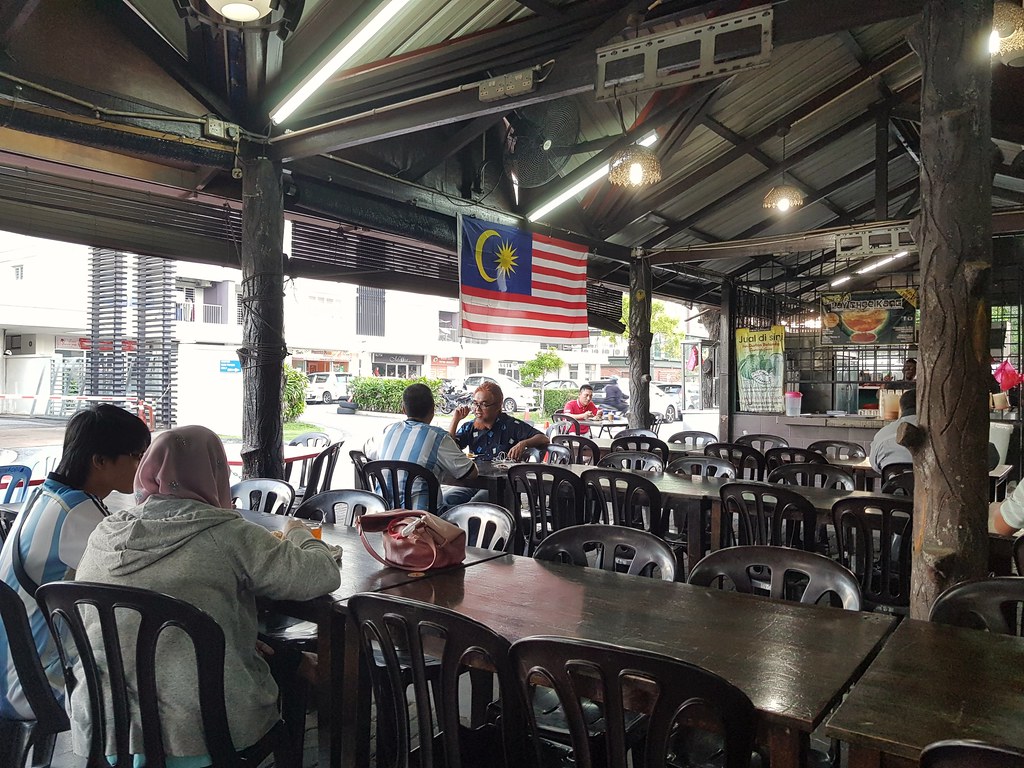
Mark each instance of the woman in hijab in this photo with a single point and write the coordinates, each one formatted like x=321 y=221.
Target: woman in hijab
x=185 y=540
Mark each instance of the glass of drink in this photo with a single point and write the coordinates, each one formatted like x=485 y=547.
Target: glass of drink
x=316 y=528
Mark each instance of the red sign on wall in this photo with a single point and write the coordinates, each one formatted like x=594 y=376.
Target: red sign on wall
x=435 y=360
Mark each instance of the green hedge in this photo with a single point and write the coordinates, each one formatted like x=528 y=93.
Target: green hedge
x=374 y=393
x=293 y=401
x=557 y=398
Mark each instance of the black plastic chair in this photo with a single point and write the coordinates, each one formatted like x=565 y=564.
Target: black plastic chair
x=359 y=461
x=889 y=471
x=873 y=535
x=793 y=574
x=636 y=461
x=324 y=506
x=776 y=457
x=763 y=513
x=964 y=753
x=488 y=526
x=573 y=424
x=636 y=432
x=762 y=442
x=263 y=494
x=749 y=462
x=21 y=738
x=423 y=646
x=1018 y=554
x=814 y=475
x=702 y=466
x=555 y=499
x=580 y=671
x=610 y=548
x=583 y=449
x=404 y=484
x=901 y=484
x=625 y=498
x=310 y=440
x=558 y=454
x=654 y=423
x=641 y=443
x=838 y=449
x=693 y=439
x=321 y=471
x=992 y=604
x=113 y=693
x=17 y=477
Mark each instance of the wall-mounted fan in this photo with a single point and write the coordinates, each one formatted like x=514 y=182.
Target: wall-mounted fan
x=540 y=140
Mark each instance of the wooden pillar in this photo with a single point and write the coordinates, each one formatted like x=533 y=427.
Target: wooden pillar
x=639 y=340
x=954 y=233
x=263 y=348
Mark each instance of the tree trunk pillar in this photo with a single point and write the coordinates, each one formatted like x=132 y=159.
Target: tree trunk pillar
x=639 y=340
x=954 y=234
x=263 y=347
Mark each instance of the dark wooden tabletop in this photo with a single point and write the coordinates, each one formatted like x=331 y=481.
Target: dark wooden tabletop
x=933 y=682
x=794 y=661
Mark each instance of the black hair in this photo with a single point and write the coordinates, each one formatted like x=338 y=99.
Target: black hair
x=586 y=386
x=417 y=401
x=908 y=402
x=99 y=430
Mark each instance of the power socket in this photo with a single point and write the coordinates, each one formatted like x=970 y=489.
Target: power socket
x=506 y=86
x=215 y=128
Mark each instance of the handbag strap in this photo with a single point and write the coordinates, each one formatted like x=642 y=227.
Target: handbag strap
x=389 y=564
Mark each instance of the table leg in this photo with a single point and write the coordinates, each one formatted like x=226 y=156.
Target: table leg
x=787 y=748
x=862 y=757
x=695 y=533
x=330 y=678
x=716 y=524
x=356 y=700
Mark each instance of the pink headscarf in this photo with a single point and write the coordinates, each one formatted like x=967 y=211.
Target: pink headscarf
x=185 y=463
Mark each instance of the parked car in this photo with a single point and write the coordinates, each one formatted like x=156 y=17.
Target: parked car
x=661 y=404
x=517 y=397
x=675 y=391
x=326 y=387
x=562 y=384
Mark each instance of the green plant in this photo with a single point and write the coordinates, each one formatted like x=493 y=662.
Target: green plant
x=664 y=327
x=543 y=361
x=373 y=393
x=556 y=398
x=293 y=400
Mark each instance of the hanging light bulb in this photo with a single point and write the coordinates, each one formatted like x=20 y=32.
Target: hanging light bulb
x=241 y=10
x=1007 y=38
x=783 y=196
x=634 y=166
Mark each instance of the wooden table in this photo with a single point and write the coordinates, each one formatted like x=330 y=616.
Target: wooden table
x=862 y=470
x=794 y=661
x=933 y=682
x=338 y=706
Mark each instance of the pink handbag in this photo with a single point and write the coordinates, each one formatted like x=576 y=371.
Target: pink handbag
x=413 y=540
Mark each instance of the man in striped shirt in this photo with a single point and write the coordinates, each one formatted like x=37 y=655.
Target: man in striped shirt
x=417 y=441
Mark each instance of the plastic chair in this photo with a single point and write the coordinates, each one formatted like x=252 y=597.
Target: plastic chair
x=17 y=477
x=992 y=604
x=574 y=668
x=762 y=442
x=324 y=506
x=108 y=684
x=901 y=484
x=889 y=471
x=625 y=498
x=814 y=475
x=636 y=461
x=321 y=471
x=763 y=513
x=816 y=575
x=573 y=424
x=263 y=494
x=404 y=484
x=558 y=428
x=749 y=462
x=964 y=753
x=702 y=466
x=393 y=631
x=610 y=548
x=1018 y=554
x=488 y=526
x=873 y=535
x=641 y=443
x=310 y=440
x=654 y=423
x=19 y=738
x=555 y=499
x=693 y=439
x=776 y=457
x=359 y=461
x=583 y=450
x=637 y=433
x=558 y=454
x=838 y=449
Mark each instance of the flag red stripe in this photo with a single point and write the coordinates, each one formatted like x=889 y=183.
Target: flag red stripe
x=506 y=329
x=561 y=274
x=482 y=293
x=519 y=314
x=576 y=262
x=539 y=238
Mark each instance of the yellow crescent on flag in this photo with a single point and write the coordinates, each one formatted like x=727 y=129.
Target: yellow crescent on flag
x=480 y=254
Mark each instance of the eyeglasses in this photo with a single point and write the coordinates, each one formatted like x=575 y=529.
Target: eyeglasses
x=478 y=404
x=137 y=455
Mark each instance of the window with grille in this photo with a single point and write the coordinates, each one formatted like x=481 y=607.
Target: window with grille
x=369 y=311
x=448 y=326
x=474 y=365
x=19 y=272
x=239 y=309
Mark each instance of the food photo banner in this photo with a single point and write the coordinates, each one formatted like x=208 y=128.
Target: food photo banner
x=879 y=317
x=761 y=369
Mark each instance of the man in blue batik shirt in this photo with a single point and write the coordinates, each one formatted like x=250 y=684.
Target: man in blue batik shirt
x=492 y=432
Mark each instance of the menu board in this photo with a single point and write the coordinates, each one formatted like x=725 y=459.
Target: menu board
x=880 y=317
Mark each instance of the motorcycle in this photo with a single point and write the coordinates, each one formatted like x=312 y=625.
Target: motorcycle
x=451 y=398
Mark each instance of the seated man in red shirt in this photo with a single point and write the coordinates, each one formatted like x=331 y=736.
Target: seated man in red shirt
x=583 y=407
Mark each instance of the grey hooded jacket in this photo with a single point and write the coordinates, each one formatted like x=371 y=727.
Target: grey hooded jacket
x=219 y=562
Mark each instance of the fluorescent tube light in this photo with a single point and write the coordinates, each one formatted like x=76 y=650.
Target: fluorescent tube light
x=585 y=183
x=882 y=263
x=840 y=281
x=363 y=35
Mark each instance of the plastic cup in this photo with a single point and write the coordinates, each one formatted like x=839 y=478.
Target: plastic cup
x=316 y=529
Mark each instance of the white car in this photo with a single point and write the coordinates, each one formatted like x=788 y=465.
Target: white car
x=326 y=387
x=517 y=397
x=662 y=404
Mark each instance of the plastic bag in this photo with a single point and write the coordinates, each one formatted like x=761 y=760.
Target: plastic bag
x=1007 y=376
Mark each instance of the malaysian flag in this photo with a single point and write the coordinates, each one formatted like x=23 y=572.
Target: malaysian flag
x=521 y=286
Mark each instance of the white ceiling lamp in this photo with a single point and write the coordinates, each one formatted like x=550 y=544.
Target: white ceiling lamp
x=783 y=196
x=1007 y=39
x=241 y=10
x=349 y=48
